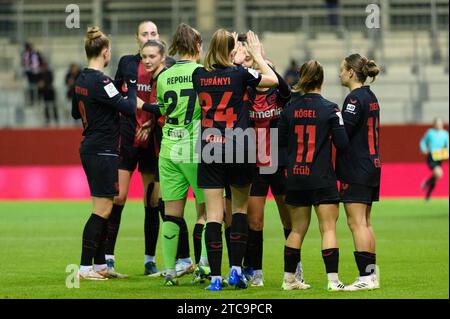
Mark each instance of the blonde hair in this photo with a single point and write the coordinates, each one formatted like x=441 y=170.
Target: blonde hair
x=222 y=43
x=95 y=42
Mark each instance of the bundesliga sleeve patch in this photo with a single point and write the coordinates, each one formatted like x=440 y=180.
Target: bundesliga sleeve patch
x=111 y=90
x=350 y=108
x=253 y=72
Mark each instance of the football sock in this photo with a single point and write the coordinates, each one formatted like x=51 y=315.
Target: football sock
x=197 y=239
x=113 y=225
x=291 y=259
x=183 y=241
x=171 y=233
x=91 y=237
x=227 y=241
x=431 y=185
x=213 y=241
x=204 y=253
x=99 y=257
x=151 y=230
x=161 y=208
x=238 y=238
x=363 y=260
x=148 y=259
x=331 y=259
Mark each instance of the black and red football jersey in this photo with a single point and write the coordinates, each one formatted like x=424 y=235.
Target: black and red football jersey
x=221 y=94
x=361 y=163
x=98 y=103
x=132 y=66
x=307 y=127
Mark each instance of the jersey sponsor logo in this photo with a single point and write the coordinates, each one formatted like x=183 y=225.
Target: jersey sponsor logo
x=143 y=87
x=353 y=101
x=301 y=170
x=301 y=113
x=106 y=81
x=132 y=81
x=268 y=114
x=177 y=133
x=217 y=80
x=179 y=79
x=350 y=108
x=111 y=90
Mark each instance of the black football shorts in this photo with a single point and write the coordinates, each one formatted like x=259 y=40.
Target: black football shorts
x=102 y=174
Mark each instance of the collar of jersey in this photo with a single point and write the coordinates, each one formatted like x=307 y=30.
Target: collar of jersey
x=184 y=61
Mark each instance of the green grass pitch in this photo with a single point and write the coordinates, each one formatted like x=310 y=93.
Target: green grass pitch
x=39 y=239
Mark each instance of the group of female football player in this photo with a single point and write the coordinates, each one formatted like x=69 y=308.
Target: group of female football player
x=192 y=125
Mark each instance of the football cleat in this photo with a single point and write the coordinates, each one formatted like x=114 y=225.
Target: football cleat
x=362 y=283
x=170 y=281
x=248 y=273
x=294 y=284
x=90 y=275
x=335 y=285
x=201 y=273
x=257 y=280
x=151 y=270
x=299 y=272
x=216 y=285
x=239 y=281
x=183 y=268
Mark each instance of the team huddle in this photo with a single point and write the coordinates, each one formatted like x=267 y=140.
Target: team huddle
x=210 y=127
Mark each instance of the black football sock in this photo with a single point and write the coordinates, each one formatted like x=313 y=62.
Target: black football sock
x=213 y=241
x=197 y=239
x=365 y=262
x=286 y=232
x=99 y=258
x=431 y=186
x=227 y=241
x=183 y=241
x=151 y=230
x=161 y=208
x=113 y=225
x=238 y=238
x=291 y=259
x=331 y=259
x=91 y=238
x=254 y=251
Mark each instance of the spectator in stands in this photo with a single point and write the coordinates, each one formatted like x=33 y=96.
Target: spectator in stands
x=292 y=74
x=435 y=146
x=47 y=93
x=31 y=63
x=71 y=76
x=333 y=18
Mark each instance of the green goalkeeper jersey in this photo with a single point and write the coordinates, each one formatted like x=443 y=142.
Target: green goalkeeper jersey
x=182 y=112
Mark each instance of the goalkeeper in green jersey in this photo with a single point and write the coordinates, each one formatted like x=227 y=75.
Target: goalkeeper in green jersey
x=177 y=158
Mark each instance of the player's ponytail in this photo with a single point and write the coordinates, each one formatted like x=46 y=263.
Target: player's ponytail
x=222 y=43
x=185 y=41
x=95 y=42
x=311 y=77
x=362 y=67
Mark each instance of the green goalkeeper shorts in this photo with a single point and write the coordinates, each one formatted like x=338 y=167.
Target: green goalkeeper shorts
x=175 y=179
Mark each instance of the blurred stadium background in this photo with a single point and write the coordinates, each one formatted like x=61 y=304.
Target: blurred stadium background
x=412 y=46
